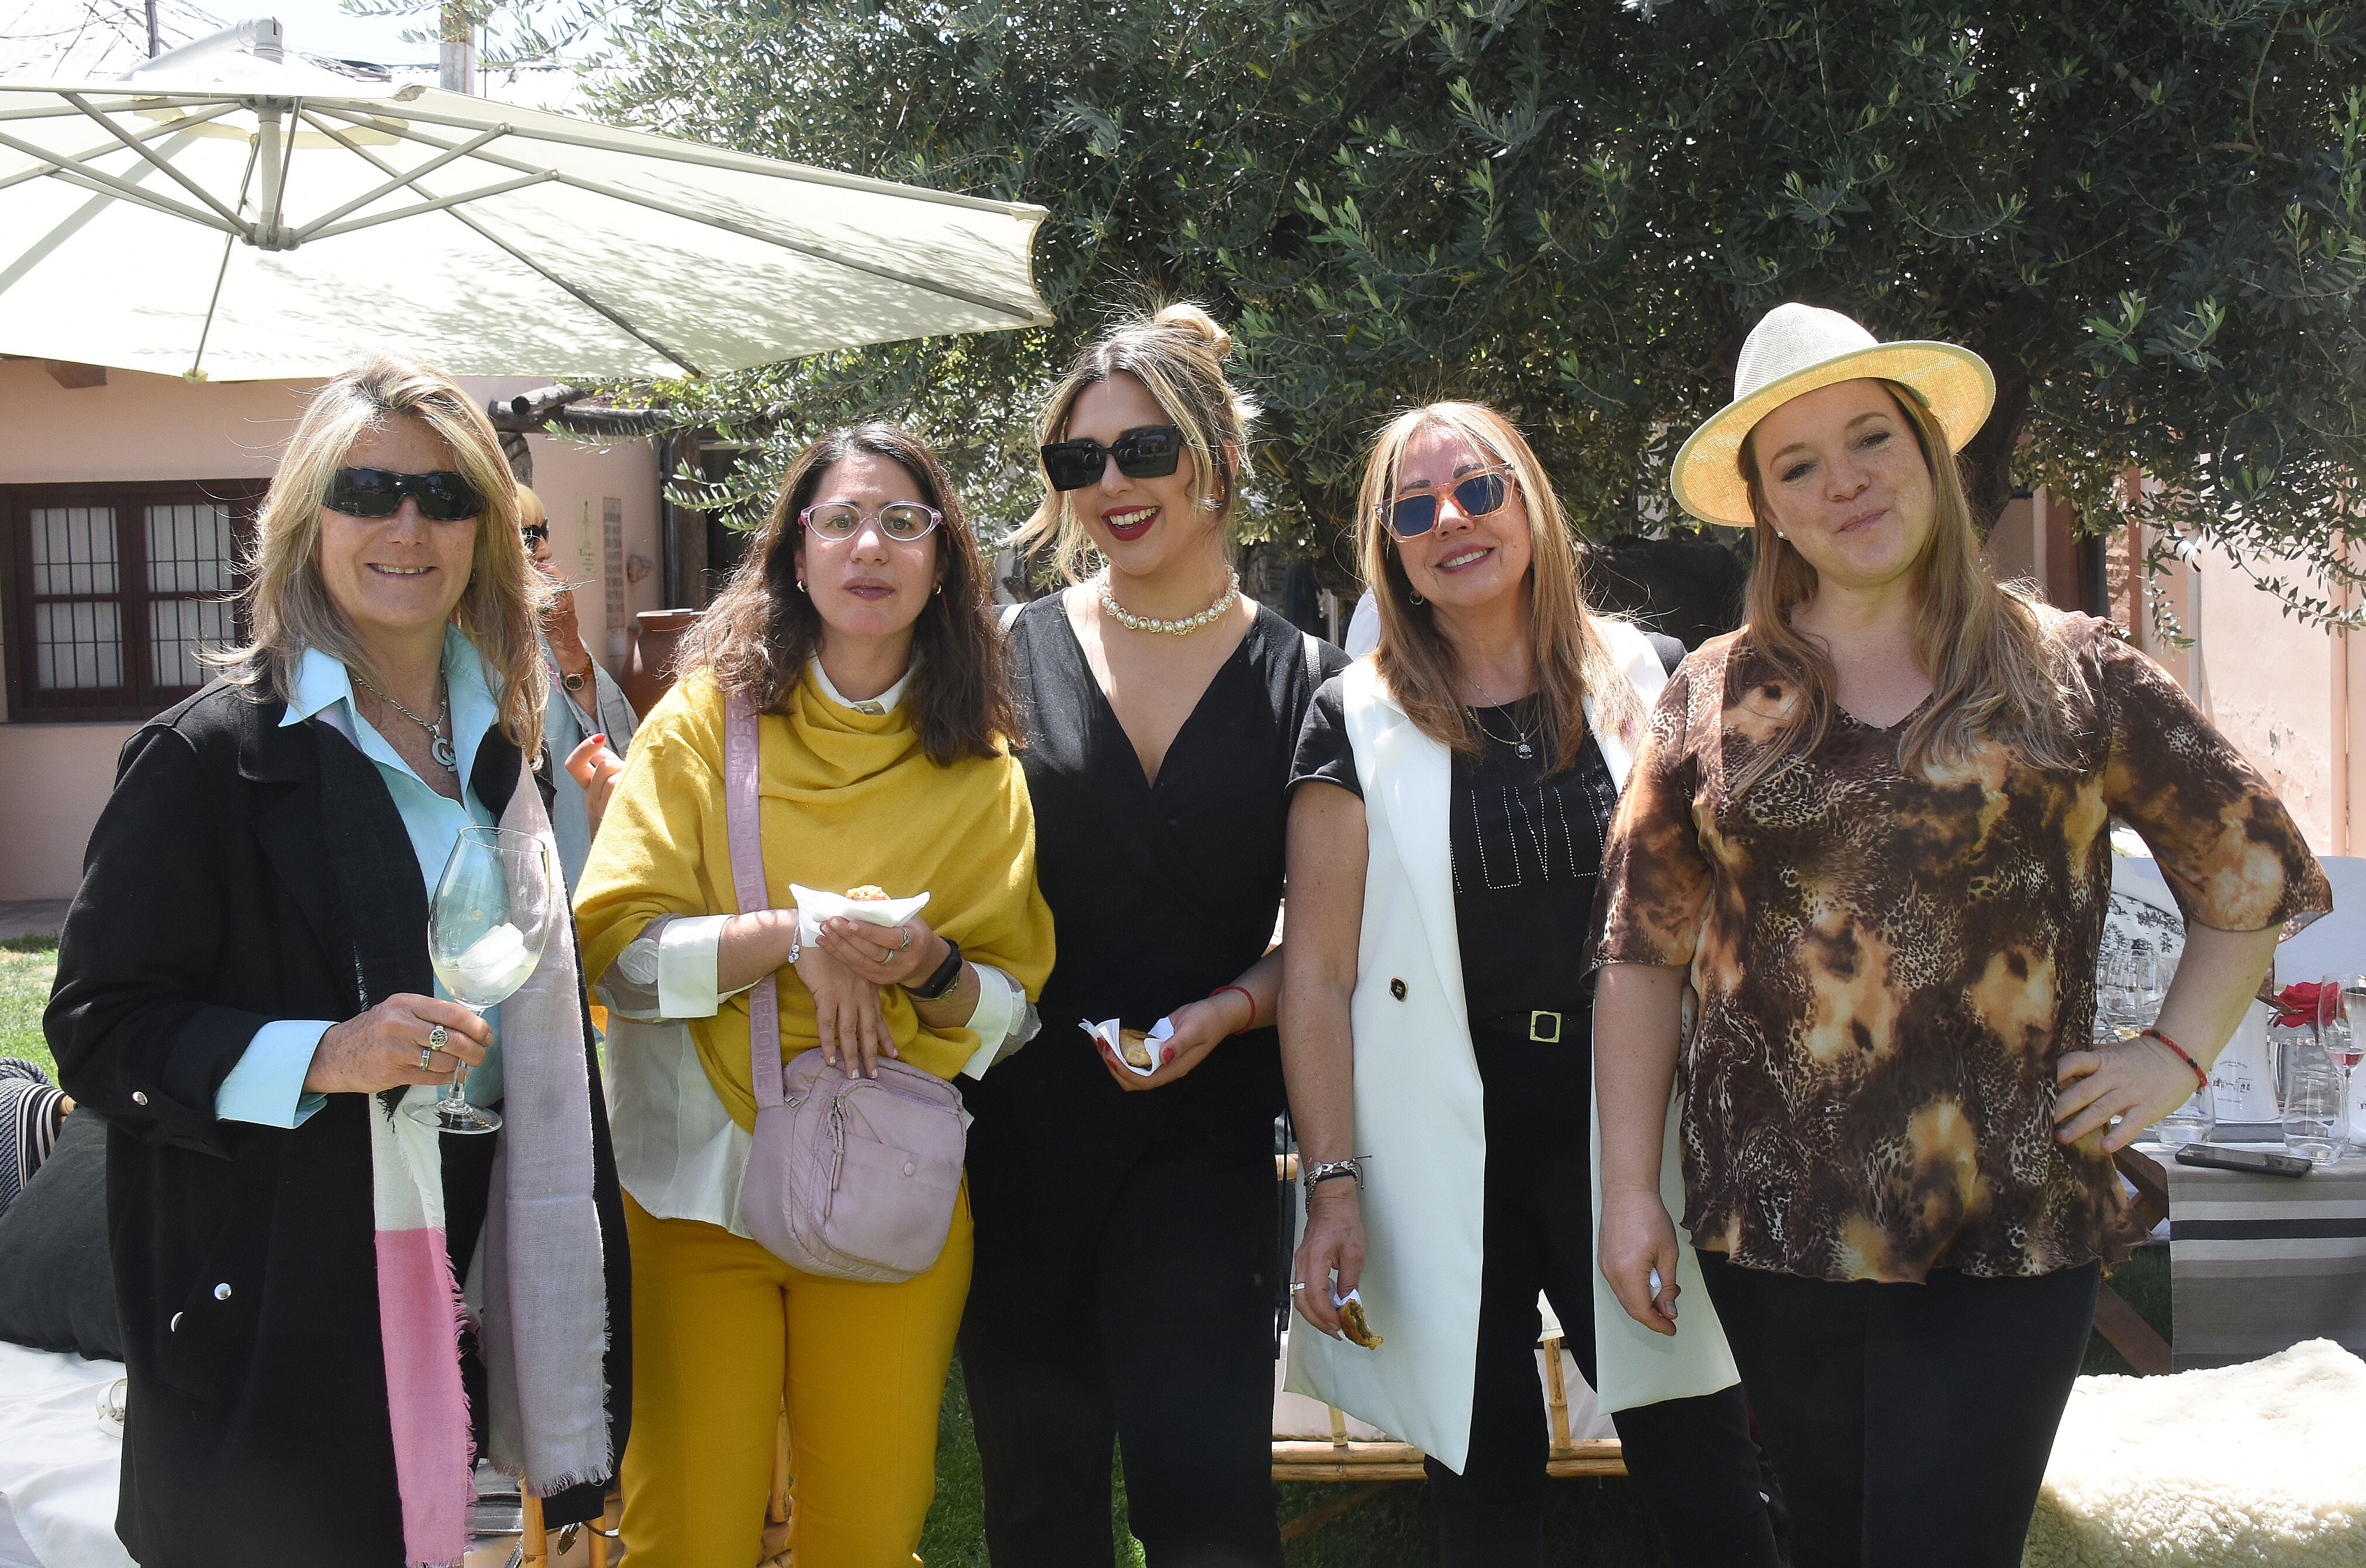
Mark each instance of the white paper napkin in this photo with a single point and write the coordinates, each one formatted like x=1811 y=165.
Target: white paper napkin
x=1106 y=1034
x=814 y=906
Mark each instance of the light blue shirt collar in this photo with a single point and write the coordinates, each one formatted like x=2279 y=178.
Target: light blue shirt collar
x=882 y=703
x=323 y=684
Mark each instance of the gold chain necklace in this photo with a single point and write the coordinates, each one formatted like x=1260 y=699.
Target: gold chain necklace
x=1520 y=737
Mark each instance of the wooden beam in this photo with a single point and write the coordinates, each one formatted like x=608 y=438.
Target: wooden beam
x=1315 y=1518
x=73 y=375
x=2129 y=1334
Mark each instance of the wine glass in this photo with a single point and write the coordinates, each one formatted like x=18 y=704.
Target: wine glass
x=494 y=906
x=2342 y=1029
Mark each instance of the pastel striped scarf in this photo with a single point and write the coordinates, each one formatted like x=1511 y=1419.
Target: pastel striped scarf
x=537 y=1280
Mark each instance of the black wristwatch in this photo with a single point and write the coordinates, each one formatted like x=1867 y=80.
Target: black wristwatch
x=943 y=978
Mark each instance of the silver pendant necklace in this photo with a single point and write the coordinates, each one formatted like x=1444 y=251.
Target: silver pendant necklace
x=440 y=744
x=1519 y=742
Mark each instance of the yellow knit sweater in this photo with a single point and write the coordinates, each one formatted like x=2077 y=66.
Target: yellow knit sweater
x=845 y=799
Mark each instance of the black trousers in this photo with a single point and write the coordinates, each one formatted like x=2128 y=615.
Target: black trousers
x=1693 y=1461
x=1139 y=1313
x=1909 y=1424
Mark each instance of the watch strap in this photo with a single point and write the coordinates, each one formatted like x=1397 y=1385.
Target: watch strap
x=946 y=975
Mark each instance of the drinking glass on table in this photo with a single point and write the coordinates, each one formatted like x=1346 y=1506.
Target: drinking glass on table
x=2312 y=1109
x=493 y=910
x=2341 y=1030
x=2198 y=1117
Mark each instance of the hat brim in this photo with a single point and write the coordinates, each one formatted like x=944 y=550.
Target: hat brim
x=1953 y=383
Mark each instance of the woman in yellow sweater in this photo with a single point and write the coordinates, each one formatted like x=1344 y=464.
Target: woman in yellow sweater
x=859 y=629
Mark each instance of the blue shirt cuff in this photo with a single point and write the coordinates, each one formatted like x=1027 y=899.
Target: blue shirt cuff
x=267 y=1087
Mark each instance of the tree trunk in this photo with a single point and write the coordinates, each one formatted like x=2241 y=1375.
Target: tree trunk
x=1987 y=458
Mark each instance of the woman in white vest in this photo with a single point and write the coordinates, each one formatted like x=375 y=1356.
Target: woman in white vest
x=1450 y=800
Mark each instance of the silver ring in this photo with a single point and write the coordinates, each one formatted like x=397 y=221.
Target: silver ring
x=1296 y=1286
x=884 y=957
x=906 y=941
x=436 y=1035
x=426 y=1058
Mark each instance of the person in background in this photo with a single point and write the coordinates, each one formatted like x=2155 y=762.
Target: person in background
x=1127 y=1246
x=1868 y=829
x=244 y=994
x=586 y=721
x=32 y=1109
x=858 y=632
x=1459 y=783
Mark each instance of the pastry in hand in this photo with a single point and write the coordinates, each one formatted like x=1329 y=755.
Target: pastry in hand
x=1134 y=1045
x=867 y=894
x=1355 y=1326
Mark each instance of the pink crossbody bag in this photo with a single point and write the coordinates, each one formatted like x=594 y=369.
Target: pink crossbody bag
x=851 y=1178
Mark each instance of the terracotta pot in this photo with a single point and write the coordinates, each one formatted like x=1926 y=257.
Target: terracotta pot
x=649 y=644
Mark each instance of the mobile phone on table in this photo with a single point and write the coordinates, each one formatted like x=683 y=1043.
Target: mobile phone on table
x=2258 y=1161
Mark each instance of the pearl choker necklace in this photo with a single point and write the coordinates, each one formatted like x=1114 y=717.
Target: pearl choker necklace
x=1183 y=628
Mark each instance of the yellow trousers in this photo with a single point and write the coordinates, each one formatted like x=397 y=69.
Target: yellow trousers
x=722 y=1332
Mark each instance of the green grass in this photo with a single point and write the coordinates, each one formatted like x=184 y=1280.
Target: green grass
x=1598 y=1522
x=27 y=964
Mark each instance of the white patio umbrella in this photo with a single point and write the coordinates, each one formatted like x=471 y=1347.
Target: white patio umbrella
x=225 y=212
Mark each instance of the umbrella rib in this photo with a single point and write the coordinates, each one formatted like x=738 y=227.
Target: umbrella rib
x=437 y=204
x=1025 y=313
x=113 y=184
x=614 y=317
x=668 y=149
x=52 y=163
x=229 y=243
x=582 y=296
x=313 y=230
x=161 y=166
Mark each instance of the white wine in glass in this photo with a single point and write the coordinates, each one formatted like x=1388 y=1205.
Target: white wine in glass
x=491 y=919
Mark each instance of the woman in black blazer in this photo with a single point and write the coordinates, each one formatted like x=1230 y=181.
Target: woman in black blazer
x=244 y=992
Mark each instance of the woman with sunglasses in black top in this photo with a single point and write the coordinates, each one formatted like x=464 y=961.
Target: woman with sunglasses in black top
x=1126 y=1249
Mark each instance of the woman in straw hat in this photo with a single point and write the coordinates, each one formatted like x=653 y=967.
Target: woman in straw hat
x=1868 y=827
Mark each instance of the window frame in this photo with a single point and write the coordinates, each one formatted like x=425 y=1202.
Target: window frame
x=140 y=698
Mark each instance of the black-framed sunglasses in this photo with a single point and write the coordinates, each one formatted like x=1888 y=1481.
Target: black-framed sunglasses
x=535 y=534
x=1147 y=452
x=443 y=496
x=904 y=520
x=1414 y=513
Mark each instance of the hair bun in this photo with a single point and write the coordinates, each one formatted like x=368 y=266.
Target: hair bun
x=1191 y=319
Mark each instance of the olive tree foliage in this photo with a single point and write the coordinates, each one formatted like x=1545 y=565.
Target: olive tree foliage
x=2149 y=215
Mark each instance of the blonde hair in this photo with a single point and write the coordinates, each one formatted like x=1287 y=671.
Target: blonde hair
x=1572 y=655
x=288 y=603
x=1178 y=356
x=530 y=508
x=1993 y=653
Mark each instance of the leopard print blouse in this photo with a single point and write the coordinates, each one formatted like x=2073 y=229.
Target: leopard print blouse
x=1889 y=964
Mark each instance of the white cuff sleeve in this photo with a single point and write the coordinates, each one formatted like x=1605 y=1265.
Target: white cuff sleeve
x=1004 y=1020
x=669 y=970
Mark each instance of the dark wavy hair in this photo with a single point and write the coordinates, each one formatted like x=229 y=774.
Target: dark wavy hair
x=757 y=636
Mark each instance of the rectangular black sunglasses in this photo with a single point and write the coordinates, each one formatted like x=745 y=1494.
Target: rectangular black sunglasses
x=1147 y=452
x=443 y=496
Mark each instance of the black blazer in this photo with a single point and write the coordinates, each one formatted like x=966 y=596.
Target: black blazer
x=241 y=873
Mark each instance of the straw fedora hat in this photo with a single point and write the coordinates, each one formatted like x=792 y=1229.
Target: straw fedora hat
x=1797 y=349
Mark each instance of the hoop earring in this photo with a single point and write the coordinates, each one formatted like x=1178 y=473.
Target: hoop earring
x=801 y=585
x=1414 y=594
x=940 y=588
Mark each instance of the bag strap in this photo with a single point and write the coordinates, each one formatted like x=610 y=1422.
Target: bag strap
x=741 y=766
x=1313 y=651
x=1011 y=615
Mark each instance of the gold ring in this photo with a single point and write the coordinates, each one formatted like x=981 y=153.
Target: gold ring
x=426 y=1058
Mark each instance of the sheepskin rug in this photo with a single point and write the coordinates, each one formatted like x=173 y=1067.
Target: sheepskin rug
x=2262 y=1464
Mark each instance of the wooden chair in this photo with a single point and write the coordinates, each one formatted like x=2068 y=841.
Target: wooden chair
x=1376 y=1465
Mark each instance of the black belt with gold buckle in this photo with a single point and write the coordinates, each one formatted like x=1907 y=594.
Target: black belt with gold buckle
x=1541 y=1026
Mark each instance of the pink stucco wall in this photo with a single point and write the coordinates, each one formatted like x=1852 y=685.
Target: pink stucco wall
x=54 y=778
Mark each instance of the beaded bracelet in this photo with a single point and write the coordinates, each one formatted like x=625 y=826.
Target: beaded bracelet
x=2200 y=1076
x=1244 y=997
